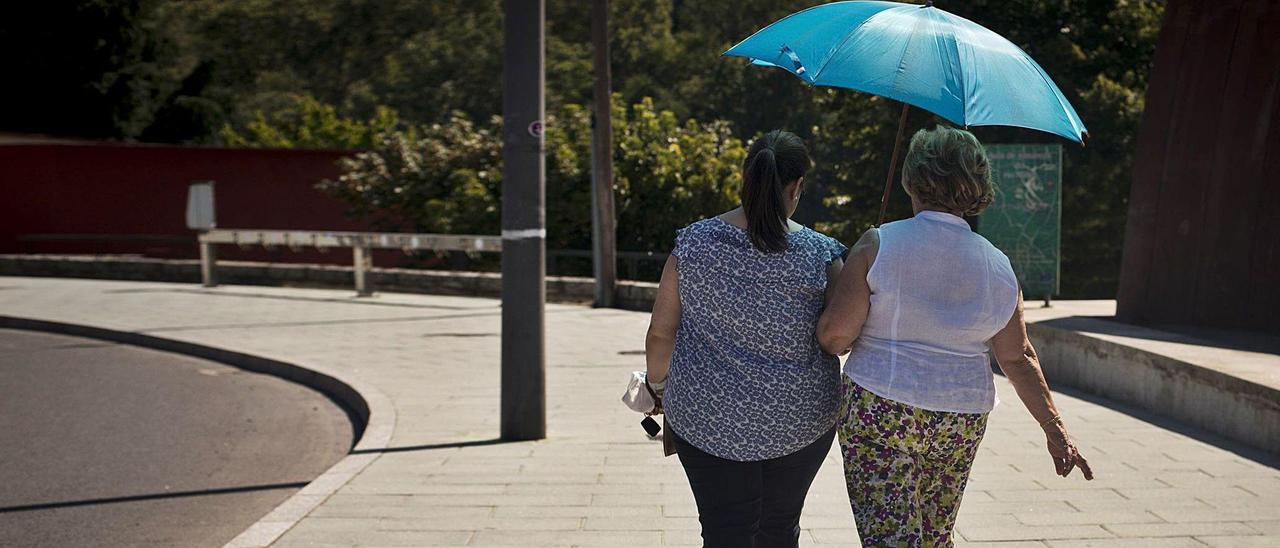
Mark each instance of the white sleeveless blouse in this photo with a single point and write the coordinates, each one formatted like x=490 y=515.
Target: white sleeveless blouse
x=939 y=292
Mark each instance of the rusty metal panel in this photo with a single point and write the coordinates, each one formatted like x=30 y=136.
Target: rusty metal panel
x=1154 y=132
x=1201 y=236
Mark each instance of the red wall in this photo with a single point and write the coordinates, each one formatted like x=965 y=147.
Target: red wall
x=142 y=190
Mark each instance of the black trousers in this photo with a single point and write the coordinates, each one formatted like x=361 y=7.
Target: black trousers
x=751 y=504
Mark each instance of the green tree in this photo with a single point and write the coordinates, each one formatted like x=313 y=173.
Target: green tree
x=308 y=123
x=667 y=173
x=439 y=178
x=180 y=71
x=447 y=177
x=424 y=58
x=100 y=69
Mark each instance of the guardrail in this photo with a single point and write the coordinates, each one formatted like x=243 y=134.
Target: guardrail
x=359 y=242
x=629 y=261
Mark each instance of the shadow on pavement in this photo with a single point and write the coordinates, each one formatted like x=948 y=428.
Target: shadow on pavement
x=1199 y=434
x=316 y=322
x=428 y=447
x=153 y=496
x=343 y=300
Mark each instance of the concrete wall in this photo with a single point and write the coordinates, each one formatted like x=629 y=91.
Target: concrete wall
x=1236 y=409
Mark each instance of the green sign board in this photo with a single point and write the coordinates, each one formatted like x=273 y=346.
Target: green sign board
x=1025 y=221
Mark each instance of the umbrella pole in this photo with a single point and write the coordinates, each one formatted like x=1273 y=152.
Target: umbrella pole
x=893 y=164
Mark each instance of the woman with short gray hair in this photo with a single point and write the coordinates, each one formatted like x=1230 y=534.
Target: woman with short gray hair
x=920 y=306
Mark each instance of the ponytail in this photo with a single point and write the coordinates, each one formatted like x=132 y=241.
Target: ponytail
x=775 y=160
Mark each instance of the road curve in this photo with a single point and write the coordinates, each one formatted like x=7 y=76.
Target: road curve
x=108 y=444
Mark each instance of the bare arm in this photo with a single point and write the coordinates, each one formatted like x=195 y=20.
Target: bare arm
x=849 y=297
x=1018 y=360
x=833 y=273
x=663 y=323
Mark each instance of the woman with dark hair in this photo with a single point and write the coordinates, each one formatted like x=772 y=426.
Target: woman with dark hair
x=751 y=400
x=923 y=303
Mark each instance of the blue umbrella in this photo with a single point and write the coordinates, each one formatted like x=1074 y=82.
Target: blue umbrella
x=919 y=55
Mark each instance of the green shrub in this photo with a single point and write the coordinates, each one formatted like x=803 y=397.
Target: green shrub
x=309 y=123
x=447 y=177
x=440 y=178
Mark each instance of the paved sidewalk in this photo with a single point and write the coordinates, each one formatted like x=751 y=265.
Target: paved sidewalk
x=432 y=363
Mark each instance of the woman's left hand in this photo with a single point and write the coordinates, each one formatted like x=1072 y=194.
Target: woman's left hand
x=1066 y=456
x=657 y=393
x=657 y=405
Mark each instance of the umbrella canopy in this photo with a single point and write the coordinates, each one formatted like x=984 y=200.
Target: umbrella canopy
x=920 y=55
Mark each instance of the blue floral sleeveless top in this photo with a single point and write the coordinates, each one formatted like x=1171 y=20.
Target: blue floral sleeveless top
x=748 y=380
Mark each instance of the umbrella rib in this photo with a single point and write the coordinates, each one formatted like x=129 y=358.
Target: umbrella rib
x=847 y=37
x=902 y=61
x=964 y=78
x=1066 y=108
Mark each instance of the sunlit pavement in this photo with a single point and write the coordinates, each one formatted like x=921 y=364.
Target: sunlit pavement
x=596 y=480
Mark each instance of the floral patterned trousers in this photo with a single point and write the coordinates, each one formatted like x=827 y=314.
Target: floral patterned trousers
x=905 y=467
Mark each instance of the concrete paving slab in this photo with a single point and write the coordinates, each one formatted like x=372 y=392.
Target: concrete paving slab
x=442 y=479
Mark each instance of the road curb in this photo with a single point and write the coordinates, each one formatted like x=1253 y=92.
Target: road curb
x=372 y=415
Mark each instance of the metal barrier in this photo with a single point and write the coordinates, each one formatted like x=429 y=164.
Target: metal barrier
x=359 y=242
x=630 y=261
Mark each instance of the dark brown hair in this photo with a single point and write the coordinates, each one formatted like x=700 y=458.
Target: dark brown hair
x=774 y=160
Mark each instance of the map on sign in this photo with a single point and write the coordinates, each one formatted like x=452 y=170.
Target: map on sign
x=1025 y=220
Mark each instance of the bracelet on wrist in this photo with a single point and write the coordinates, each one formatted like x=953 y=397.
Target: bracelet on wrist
x=1056 y=419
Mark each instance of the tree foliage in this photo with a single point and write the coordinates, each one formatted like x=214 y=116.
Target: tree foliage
x=101 y=69
x=446 y=177
x=666 y=172
x=233 y=72
x=308 y=123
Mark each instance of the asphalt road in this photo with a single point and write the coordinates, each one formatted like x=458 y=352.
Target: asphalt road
x=104 y=444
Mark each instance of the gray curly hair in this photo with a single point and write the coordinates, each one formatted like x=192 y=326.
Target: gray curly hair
x=947 y=168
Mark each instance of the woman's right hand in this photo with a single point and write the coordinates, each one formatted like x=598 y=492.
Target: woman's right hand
x=1018 y=360
x=1066 y=456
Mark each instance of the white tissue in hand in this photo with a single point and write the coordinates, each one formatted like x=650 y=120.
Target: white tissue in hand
x=637 y=396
